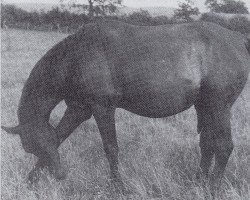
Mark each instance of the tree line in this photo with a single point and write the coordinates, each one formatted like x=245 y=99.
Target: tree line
x=61 y=19
x=54 y=19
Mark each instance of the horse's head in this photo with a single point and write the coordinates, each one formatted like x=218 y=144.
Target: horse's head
x=36 y=138
x=41 y=140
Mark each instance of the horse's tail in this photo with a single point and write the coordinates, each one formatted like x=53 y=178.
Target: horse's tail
x=248 y=45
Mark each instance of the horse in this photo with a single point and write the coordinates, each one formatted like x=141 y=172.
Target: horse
x=152 y=71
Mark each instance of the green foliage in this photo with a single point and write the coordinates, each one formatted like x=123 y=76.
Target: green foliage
x=12 y=14
x=212 y=5
x=186 y=10
x=64 y=18
x=160 y=20
x=237 y=23
x=65 y=21
x=96 y=7
x=141 y=17
x=227 y=6
x=231 y=6
x=215 y=19
x=240 y=23
x=54 y=19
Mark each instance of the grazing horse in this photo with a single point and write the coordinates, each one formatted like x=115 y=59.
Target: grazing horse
x=152 y=71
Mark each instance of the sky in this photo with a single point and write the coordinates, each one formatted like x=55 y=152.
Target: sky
x=133 y=3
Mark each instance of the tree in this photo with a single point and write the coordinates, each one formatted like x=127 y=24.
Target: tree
x=141 y=17
x=212 y=5
x=96 y=7
x=186 y=10
x=240 y=23
x=227 y=6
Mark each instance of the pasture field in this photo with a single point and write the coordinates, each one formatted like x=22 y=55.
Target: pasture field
x=158 y=157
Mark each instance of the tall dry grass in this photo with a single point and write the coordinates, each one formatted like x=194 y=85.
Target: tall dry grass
x=158 y=157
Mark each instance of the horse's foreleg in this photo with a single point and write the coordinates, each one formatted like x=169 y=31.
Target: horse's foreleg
x=73 y=117
x=215 y=140
x=223 y=146
x=34 y=174
x=105 y=119
x=50 y=159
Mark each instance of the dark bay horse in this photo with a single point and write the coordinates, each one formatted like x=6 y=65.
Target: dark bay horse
x=150 y=71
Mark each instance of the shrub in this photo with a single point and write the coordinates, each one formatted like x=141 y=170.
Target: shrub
x=239 y=23
x=139 y=18
x=55 y=19
x=160 y=20
x=215 y=19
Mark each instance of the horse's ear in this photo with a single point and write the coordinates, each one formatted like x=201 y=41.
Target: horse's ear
x=12 y=130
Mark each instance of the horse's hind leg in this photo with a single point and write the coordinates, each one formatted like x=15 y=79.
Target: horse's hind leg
x=206 y=141
x=105 y=119
x=215 y=139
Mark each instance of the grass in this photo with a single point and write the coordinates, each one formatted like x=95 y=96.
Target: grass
x=157 y=156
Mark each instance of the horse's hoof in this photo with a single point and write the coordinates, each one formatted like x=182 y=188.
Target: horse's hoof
x=33 y=177
x=215 y=186
x=119 y=187
x=60 y=174
x=198 y=175
x=156 y=191
x=201 y=176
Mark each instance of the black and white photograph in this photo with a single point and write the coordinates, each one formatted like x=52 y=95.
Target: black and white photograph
x=125 y=99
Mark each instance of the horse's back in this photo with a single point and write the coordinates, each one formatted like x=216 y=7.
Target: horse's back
x=169 y=67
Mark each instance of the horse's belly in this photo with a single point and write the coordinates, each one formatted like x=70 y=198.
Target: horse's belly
x=157 y=104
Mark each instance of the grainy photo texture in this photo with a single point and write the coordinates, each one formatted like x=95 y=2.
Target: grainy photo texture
x=123 y=99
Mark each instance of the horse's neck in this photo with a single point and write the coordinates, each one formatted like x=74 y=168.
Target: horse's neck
x=43 y=89
x=36 y=103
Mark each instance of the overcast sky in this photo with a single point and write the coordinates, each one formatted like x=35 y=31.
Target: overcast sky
x=133 y=3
